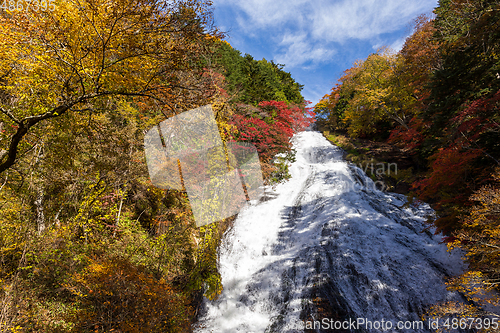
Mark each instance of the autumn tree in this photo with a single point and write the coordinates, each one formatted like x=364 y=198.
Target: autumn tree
x=69 y=59
x=379 y=93
x=479 y=237
x=420 y=54
x=271 y=129
x=468 y=33
x=79 y=86
x=331 y=108
x=480 y=234
x=461 y=112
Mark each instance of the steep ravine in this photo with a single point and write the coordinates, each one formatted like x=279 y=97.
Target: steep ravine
x=326 y=245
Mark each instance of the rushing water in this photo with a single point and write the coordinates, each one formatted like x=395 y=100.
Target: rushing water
x=327 y=245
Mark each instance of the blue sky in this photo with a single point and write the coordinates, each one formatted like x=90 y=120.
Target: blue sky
x=317 y=41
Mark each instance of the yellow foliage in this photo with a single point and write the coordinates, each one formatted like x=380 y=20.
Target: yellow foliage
x=114 y=294
x=480 y=238
x=378 y=93
x=85 y=52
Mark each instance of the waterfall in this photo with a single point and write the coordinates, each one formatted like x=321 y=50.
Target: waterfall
x=328 y=247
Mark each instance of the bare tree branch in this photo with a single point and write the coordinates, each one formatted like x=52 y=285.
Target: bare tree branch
x=10 y=115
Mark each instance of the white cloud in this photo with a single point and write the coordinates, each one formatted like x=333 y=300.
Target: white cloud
x=261 y=14
x=397 y=45
x=361 y=19
x=308 y=31
x=300 y=50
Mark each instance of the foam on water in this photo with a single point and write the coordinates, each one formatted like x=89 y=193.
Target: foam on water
x=327 y=243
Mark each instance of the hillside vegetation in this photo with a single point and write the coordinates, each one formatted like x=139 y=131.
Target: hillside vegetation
x=87 y=244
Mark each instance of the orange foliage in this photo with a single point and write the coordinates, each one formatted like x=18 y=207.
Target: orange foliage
x=451 y=168
x=421 y=56
x=116 y=295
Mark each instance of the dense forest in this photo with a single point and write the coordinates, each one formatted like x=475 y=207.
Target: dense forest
x=87 y=244
x=438 y=100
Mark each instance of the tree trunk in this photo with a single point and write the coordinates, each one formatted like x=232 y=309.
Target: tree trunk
x=40 y=216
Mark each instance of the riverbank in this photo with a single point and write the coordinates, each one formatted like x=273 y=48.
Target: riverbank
x=390 y=167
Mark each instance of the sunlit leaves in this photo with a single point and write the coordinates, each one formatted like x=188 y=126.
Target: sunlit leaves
x=53 y=62
x=420 y=55
x=379 y=92
x=479 y=236
x=271 y=132
x=132 y=299
x=78 y=86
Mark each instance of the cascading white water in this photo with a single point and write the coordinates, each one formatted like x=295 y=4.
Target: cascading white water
x=327 y=244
